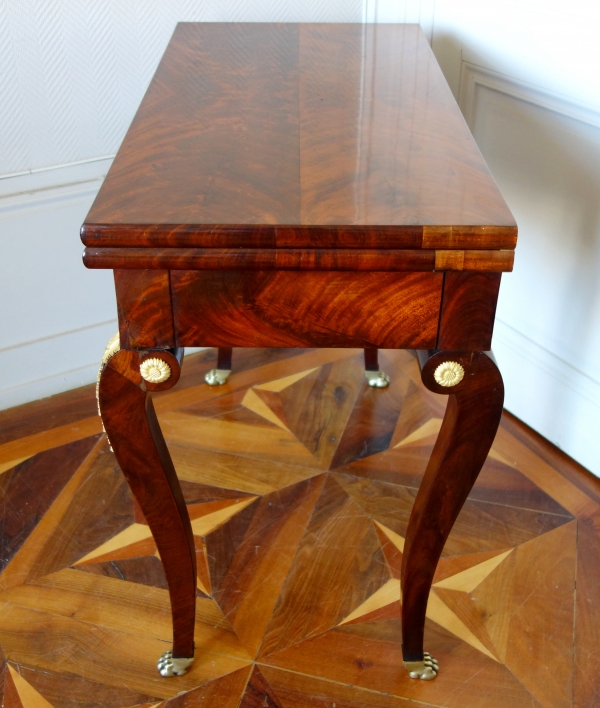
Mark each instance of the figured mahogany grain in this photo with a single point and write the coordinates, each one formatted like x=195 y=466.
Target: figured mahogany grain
x=468 y=310
x=273 y=135
x=306 y=309
x=263 y=259
x=470 y=423
x=144 y=308
x=130 y=421
x=298 y=259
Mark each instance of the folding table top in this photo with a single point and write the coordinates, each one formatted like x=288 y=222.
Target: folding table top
x=299 y=136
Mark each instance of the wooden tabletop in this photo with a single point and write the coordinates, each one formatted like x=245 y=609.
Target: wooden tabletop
x=299 y=135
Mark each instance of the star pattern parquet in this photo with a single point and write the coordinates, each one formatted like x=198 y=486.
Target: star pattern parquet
x=299 y=481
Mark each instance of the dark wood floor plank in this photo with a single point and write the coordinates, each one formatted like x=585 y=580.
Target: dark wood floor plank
x=375 y=665
x=373 y=421
x=52 y=412
x=262 y=561
x=338 y=565
x=224 y=692
x=61 y=644
x=11 y=696
x=505 y=527
x=63 y=690
x=29 y=489
x=100 y=507
x=146 y=570
x=586 y=666
x=329 y=397
x=258 y=693
x=576 y=474
x=303 y=691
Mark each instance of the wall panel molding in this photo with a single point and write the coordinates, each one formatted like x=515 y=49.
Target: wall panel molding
x=473 y=77
x=549 y=181
x=550 y=395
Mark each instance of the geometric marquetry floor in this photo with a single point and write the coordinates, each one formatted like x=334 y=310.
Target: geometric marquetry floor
x=299 y=480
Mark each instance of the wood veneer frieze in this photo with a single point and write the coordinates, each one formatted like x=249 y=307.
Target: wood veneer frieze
x=297 y=259
x=306 y=309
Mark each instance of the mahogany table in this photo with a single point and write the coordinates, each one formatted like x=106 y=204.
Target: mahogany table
x=301 y=185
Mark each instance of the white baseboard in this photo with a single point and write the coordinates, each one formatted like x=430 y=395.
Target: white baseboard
x=551 y=396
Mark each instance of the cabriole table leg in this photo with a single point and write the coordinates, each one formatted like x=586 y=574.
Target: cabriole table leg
x=128 y=416
x=476 y=395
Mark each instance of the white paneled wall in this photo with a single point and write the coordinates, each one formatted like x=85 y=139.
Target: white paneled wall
x=524 y=72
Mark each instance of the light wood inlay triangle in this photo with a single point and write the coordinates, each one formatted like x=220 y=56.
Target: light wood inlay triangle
x=440 y=613
x=469 y=579
x=30 y=698
x=394 y=537
x=5 y=466
x=280 y=384
x=205 y=524
x=388 y=593
x=431 y=427
x=257 y=405
x=131 y=535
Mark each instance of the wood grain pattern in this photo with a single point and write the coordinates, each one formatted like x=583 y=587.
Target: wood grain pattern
x=326 y=581
x=586 y=664
x=468 y=310
x=78 y=692
x=47 y=473
x=258 y=693
x=144 y=309
x=248 y=595
x=306 y=309
x=504 y=609
x=51 y=412
x=130 y=422
x=224 y=692
x=285 y=236
x=297 y=259
x=274 y=124
x=468 y=430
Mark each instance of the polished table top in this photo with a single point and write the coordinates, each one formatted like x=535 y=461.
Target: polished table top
x=285 y=136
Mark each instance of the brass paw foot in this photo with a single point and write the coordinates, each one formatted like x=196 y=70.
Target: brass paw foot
x=169 y=666
x=377 y=379
x=426 y=670
x=217 y=377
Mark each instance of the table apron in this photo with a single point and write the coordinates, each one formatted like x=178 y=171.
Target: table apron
x=161 y=309
x=306 y=309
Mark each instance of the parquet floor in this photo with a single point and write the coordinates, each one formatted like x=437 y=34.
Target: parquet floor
x=299 y=480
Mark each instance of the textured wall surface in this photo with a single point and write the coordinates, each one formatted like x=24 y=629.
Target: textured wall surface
x=72 y=74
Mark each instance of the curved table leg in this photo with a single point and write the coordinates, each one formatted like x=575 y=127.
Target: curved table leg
x=135 y=436
x=472 y=418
